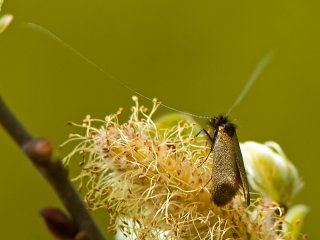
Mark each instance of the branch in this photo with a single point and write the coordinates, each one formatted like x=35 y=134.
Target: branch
x=39 y=152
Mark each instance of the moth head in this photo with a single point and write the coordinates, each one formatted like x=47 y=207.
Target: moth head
x=224 y=124
x=218 y=121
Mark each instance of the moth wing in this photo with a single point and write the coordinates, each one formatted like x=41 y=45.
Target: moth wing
x=242 y=170
x=225 y=174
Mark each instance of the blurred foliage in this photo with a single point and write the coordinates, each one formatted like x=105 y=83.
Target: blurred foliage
x=194 y=56
x=5 y=20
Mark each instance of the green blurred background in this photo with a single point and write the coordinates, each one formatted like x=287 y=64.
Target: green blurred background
x=192 y=55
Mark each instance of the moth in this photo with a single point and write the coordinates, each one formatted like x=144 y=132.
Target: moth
x=228 y=171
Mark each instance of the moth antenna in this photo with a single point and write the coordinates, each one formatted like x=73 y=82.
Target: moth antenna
x=53 y=36
x=254 y=76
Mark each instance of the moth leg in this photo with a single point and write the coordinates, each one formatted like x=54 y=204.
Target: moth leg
x=206 y=183
x=212 y=143
x=206 y=132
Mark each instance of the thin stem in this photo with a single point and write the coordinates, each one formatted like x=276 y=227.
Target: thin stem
x=11 y=124
x=39 y=152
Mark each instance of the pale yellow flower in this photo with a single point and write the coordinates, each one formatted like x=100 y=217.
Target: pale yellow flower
x=152 y=179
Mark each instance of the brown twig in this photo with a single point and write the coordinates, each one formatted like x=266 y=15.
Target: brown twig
x=39 y=152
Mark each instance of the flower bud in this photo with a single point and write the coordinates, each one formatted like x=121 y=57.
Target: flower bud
x=270 y=172
x=294 y=220
x=5 y=20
